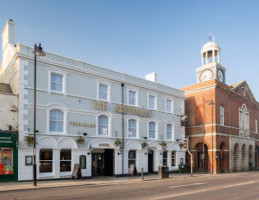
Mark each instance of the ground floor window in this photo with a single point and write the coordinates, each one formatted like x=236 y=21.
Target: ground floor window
x=165 y=158
x=132 y=158
x=65 y=160
x=173 y=158
x=6 y=160
x=46 y=160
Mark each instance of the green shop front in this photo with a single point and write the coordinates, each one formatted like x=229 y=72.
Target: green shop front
x=8 y=156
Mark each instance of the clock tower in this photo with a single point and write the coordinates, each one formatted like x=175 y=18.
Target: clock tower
x=210 y=68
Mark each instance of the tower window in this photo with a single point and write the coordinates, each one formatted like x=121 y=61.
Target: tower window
x=210 y=57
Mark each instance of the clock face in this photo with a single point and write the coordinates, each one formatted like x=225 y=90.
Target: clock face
x=220 y=75
x=206 y=75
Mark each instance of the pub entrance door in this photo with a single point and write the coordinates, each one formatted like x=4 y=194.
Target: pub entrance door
x=102 y=162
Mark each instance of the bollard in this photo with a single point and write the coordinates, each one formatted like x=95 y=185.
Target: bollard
x=142 y=175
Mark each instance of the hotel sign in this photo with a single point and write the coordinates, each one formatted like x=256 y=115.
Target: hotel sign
x=119 y=108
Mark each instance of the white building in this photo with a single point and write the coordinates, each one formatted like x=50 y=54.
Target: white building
x=100 y=105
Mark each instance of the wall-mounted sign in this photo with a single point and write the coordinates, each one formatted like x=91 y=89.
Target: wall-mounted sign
x=142 y=112
x=132 y=110
x=82 y=161
x=100 y=105
x=80 y=124
x=104 y=145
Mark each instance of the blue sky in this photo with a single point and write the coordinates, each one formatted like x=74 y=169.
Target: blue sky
x=141 y=36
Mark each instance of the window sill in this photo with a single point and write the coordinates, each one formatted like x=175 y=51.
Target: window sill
x=56 y=92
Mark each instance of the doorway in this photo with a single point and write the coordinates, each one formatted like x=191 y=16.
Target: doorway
x=150 y=161
x=102 y=162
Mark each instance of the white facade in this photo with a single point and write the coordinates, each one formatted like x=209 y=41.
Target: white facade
x=78 y=99
x=8 y=109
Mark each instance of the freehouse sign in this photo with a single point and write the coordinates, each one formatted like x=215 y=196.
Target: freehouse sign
x=142 y=112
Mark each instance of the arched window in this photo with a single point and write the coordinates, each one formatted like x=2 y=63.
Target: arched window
x=243 y=118
x=132 y=128
x=169 y=131
x=152 y=130
x=102 y=125
x=56 y=121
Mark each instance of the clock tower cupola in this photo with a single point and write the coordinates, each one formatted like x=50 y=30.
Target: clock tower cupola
x=210 y=68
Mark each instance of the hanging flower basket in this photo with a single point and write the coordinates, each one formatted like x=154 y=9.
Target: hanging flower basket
x=29 y=139
x=117 y=143
x=80 y=140
x=144 y=145
x=163 y=144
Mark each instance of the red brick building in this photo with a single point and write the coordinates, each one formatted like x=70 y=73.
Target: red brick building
x=221 y=118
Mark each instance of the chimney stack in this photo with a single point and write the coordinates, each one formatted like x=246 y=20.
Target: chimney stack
x=8 y=35
x=151 y=77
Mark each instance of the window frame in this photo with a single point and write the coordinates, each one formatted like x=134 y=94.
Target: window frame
x=136 y=97
x=56 y=121
x=167 y=131
x=155 y=130
x=155 y=102
x=108 y=91
x=171 y=105
x=64 y=81
x=256 y=125
x=65 y=172
x=136 y=127
x=52 y=161
x=221 y=115
x=109 y=124
x=64 y=110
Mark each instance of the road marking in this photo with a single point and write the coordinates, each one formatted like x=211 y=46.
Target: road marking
x=246 y=183
x=177 y=195
x=177 y=186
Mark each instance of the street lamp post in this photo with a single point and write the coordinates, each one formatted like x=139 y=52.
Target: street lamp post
x=37 y=52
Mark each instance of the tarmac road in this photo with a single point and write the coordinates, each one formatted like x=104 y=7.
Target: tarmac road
x=241 y=186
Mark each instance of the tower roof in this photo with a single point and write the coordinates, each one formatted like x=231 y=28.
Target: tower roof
x=210 y=46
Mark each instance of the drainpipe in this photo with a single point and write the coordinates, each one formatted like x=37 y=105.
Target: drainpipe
x=122 y=127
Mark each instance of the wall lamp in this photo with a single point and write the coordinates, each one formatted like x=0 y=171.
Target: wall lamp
x=90 y=149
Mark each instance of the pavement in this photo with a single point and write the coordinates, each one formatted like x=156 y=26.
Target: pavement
x=92 y=182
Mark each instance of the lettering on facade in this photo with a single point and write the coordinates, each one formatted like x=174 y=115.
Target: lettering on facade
x=80 y=124
x=100 y=105
x=142 y=112
x=104 y=145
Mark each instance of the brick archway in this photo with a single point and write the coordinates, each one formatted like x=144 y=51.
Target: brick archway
x=200 y=160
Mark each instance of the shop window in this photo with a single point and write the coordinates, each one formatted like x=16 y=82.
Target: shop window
x=103 y=92
x=152 y=100
x=132 y=128
x=152 y=130
x=165 y=158
x=56 y=120
x=132 y=98
x=6 y=160
x=169 y=131
x=102 y=125
x=65 y=160
x=56 y=82
x=132 y=158
x=168 y=105
x=46 y=160
x=173 y=158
